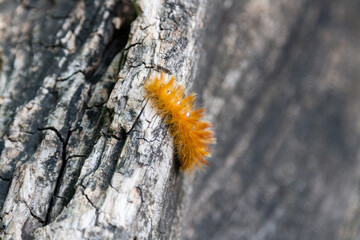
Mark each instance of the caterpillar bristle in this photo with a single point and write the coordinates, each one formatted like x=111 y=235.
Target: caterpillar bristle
x=192 y=136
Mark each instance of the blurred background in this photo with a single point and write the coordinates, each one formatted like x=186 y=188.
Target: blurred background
x=283 y=90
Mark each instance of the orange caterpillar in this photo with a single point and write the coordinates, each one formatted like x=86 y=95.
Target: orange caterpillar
x=192 y=136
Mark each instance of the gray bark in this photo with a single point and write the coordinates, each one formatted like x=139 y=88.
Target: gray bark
x=283 y=89
x=83 y=155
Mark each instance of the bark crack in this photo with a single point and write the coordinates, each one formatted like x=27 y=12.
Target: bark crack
x=87 y=198
x=64 y=161
x=39 y=219
x=137 y=119
x=5 y=179
x=68 y=77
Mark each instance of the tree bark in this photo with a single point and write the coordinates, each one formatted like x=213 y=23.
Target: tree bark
x=283 y=90
x=84 y=155
x=77 y=162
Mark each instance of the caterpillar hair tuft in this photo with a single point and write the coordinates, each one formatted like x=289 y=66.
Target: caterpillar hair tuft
x=192 y=136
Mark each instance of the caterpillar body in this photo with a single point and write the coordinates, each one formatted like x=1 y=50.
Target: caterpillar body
x=192 y=136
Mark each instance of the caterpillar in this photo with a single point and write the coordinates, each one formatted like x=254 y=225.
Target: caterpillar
x=192 y=136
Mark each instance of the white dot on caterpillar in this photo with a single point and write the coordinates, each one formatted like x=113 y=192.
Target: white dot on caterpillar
x=168 y=92
x=188 y=114
x=178 y=102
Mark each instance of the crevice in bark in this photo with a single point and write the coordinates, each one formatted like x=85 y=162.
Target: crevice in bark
x=5 y=179
x=118 y=42
x=39 y=219
x=70 y=76
x=87 y=197
x=136 y=120
x=76 y=156
x=55 y=131
x=126 y=12
x=64 y=161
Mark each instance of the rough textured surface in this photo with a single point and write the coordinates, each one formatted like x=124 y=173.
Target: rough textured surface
x=84 y=156
x=76 y=162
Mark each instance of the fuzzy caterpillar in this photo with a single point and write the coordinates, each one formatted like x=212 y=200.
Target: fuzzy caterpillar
x=192 y=135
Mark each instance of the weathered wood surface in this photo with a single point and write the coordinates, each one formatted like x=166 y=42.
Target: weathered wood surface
x=83 y=155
